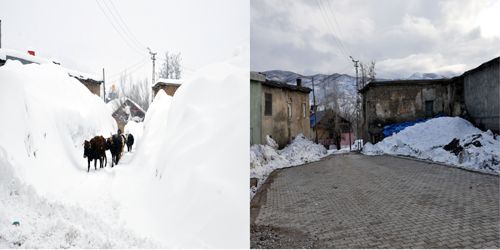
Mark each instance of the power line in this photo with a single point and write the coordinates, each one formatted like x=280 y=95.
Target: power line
x=129 y=70
x=337 y=25
x=329 y=26
x=116 y=29
x=124 y=25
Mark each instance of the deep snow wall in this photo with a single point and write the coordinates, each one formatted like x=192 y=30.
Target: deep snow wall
x=195 y=146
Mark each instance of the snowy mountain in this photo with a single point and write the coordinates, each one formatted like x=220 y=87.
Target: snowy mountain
x=425 y=76
x=326 y=87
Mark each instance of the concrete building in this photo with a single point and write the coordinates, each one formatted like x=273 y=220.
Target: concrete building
x=170 y=86
x=474 y=95
x=481 y=90
x=277 y=109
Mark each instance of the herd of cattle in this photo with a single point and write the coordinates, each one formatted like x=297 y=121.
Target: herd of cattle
x=95 y=149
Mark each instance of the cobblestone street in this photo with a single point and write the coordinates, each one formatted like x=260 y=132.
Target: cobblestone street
x=357 y=201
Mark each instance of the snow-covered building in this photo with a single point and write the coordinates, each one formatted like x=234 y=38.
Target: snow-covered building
x=90 y=81
x=170 y=86
x=472 y=95
x=124 y=110
x=277 y=109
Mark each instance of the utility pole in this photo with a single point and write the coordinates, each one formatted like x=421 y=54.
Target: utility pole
x=103 y=86
x=356 y=62
x=315 y=111
x=153 y=58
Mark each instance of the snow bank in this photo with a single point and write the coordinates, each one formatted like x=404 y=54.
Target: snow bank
x=266 y=158
x=48 y=116
x=182 y=188
x=197 y=198
x=44 y=182
x=428 y=140
x=47 y=224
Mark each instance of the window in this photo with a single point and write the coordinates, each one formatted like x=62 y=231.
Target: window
x=289 y=110
x=429 y=108
x=303 y=110
x=268 y=109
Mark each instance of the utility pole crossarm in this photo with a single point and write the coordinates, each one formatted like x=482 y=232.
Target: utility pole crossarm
x=153 y=58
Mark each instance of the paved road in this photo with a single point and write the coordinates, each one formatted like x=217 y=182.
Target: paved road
x=357 y=201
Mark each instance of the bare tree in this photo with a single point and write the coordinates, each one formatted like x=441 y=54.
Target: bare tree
x=137 y=91
x=367 y=73
x=171 y=67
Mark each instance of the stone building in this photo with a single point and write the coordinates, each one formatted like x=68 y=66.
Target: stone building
x=277 y=109
x=474 y=95
x=481 y=93
x=170 y=86
x=93 y=85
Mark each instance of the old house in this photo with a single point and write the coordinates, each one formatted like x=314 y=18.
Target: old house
x=473 y=95
x=88 y=81
x=331 y=129
x=277 y=109
x=123 y=110
x=29 y=57
x=170 y=86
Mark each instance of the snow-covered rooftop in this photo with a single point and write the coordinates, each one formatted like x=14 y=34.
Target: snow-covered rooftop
x=169 y=81
x=24 y=57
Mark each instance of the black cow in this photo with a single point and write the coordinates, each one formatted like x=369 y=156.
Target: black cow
x=115 y=145
x=130 y=142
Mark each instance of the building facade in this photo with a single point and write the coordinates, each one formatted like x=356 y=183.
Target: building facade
x=473 y=95
x=277 y=109
x=170 y=86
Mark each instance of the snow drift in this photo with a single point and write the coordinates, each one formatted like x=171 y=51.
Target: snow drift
x=44 y=184
x=266 y=158
x=197 y=197
x=473 y=149
x=181 y=187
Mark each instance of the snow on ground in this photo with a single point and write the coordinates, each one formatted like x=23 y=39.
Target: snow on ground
x=266 y=158
x=50 y=224
x=473 y=149
x=46 y=187
x=181 y=188
x=196 y=198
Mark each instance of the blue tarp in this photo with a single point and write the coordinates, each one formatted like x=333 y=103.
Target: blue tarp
x=397 y=127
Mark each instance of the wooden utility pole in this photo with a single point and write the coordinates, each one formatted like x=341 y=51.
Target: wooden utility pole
x=315 y=111
x=357 y=102
x=103 y=86
x=153 y=58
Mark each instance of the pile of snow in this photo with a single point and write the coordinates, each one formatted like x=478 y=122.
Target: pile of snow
x=183 y=187
x=136 y=129
x=195 y=145
x=433 y=140
x=266 y=158
x=44 y=184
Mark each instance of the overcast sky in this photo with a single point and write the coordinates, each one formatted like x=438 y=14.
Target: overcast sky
x=403 y=37
x=82 y=38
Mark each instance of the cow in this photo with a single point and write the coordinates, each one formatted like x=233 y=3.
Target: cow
x=130 y=142
x=94 y=150
x=115 y=145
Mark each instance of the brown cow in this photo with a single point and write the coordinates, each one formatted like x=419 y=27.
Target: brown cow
x=95 y=149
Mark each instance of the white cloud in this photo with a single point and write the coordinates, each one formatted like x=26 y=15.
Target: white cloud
x=402 y=36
